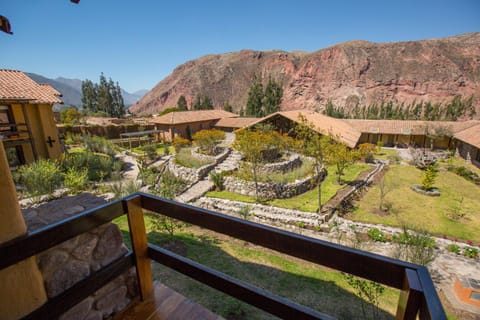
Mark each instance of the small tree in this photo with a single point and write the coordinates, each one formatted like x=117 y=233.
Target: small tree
x=70 y=115
x=313 y=144
x=340 y=155
x=384 y=190
x=251 y=144
x=429 y=176
x=368 y=292
x=179 y=143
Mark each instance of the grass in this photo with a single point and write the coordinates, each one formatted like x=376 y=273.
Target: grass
x=303 y=282
x=424 y=212
x=291 y=176
x=307 y=201
x=185 y=158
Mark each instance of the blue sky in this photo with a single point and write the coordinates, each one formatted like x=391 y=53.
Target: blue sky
x=138 y=43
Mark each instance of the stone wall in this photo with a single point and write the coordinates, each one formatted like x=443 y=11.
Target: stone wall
x=269 y=214
x=291 y=163
x=73 y=260
x=271 y=190
x=192 y=175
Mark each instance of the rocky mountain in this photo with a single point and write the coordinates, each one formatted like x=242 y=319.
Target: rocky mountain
x=71 y=90
x=357 y=71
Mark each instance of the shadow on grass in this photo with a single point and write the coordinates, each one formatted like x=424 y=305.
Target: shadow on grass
x=279 y=275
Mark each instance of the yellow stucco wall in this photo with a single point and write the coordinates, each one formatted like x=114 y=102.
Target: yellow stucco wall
x=21 y=285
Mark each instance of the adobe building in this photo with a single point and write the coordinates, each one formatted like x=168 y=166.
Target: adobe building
x=27 y=125
x=185 y=123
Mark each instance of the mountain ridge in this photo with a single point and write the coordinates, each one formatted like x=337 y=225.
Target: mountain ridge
x=348 y=73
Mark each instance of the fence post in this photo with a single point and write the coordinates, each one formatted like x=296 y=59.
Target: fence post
x=410 y=296
x=138 y=236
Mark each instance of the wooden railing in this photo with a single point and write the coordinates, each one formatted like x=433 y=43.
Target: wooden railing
x=418 y=296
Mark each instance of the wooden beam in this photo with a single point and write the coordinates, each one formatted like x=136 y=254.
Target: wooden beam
x=273 y=304
x=138 y=235
x=410 y=296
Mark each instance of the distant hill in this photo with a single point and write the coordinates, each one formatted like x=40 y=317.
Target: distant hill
x=71 y=89
x=350 y=73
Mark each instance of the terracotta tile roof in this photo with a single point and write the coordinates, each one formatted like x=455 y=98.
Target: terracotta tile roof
x=15 y=85
x=235 y=122
x=324 y=124
x=50 y=89
x=406 y=127
x=470 y=135
x=192 y=116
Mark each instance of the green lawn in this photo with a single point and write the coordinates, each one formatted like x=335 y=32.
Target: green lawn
x=419 y=211
x=300 y=281
x=307 y=201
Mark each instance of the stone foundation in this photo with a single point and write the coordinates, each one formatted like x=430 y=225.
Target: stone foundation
x=73 y=260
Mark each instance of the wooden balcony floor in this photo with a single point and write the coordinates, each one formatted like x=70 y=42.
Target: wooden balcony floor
x=166 y=304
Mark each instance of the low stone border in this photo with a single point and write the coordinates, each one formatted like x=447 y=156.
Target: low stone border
x=271 y=190
x=292 y=162
x=434 y=192
x=270 y=214
x=192 y=175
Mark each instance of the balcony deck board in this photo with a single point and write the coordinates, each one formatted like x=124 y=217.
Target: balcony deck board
x=166 y=304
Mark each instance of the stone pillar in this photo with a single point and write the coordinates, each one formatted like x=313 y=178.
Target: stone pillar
x=21 y=285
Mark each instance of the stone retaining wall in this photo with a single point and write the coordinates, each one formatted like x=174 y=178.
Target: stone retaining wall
x=291 y=163
x=192 y=175
x=271 y=190
x=73 y=260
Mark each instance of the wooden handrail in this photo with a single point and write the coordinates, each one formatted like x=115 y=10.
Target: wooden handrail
x=418 y=294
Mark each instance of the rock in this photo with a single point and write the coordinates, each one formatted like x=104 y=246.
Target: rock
x=109 y=302
x=94 y=315
x=348 y=73
x=51 y=260
x=79 y=312
x=66 y=276
x=87 y=243
x=108 y=242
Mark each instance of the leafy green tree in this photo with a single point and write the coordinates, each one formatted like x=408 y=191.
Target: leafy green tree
x=118 y=103
x=69 y=115
x=182 y=103
x=206 y=140
x=340 y=155
x=255 y=98
x=89 y=96
x=228 y=107
x=429 y=176
x=272 y=97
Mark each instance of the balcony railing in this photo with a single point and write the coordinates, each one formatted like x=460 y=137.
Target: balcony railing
x=417 y=298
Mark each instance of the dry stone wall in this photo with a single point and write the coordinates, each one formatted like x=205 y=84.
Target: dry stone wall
x=73 y=260
x=291 y=163
x=191 y=174
x=271 y=190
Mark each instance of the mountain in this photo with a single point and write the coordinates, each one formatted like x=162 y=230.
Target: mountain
x=348 y=73
x=71 y=90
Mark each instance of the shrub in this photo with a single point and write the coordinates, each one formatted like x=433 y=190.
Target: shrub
x=453 y=248
x=217 y=180
x=415 y=246
x=428 y=177
x=179 y=143
x=206 y=140
x=75 y=180
x=185 y=158
x=470 y=252
x=169 y=185
x=99 y=144
x=465 y=173
x=367 y=151
x=376 y=235
x=99 y=167
x=245 y=211
x=39 y=178
x=150 y=151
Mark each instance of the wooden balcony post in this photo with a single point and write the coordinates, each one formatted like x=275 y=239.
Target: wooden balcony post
x=410 y=296
x=138 y=236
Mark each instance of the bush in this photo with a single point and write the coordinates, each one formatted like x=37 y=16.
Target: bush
x=150 y=151
x=185 y=158
x=75 y=180
x=99 y=144
x=415 y=246
x=453 y=248
x=367 y=151
x=428 y=177
x=217 y=180
x=376 y=235
x=99 y=167
x=470 y=252
x=179 y=143
x=465 y=173
x=206 y=140
x=39 y=178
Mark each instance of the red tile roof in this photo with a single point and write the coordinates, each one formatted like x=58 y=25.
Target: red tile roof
x=180 y=117
x=470 y=135
x=15 y=85
x=235 y=122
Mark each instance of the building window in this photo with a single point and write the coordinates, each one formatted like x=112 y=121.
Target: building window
x=15 y=156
